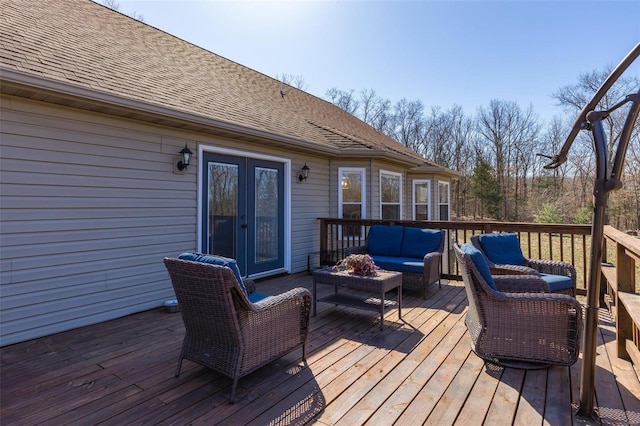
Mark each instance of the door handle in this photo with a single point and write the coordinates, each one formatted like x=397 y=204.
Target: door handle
x=244 y=226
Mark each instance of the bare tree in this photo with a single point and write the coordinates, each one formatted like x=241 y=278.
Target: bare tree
x=113 y=4
x=343 y=99
x=293 y=80
x=375 y=111
x=573 y=98
x=504 y=127
x=408 y=125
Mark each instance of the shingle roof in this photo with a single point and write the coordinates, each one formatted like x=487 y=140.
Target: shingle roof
x=87 y=45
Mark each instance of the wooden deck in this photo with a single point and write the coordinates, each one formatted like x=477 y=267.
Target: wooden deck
x=418 y=371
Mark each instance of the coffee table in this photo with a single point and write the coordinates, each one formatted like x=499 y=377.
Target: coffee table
x=379 y=284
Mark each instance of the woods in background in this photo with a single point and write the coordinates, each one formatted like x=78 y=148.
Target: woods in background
x=495 y=149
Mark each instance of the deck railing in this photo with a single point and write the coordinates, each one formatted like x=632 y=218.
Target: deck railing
x=565 y=242
x=620 y=288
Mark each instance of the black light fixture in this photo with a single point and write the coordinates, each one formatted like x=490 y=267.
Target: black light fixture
x=186 y=156
x=304 y=173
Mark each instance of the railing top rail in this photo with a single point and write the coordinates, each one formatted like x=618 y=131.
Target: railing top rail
x=630 y=242
x=560 y=228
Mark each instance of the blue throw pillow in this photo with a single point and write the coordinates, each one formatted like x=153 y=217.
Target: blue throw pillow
x=385 y=240
x=481 y=263
x=216 y=260
x=502 y=249
x=418 y=242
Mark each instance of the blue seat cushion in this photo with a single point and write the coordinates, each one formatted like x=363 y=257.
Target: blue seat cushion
x=400 y=264
x=216 y=260
x=418 y=242
x=256 y=297
x=557 y=282
x=502 y=249
x=480 y=262
x=384 y=240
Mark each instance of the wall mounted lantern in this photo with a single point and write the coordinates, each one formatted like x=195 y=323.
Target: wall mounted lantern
x=304 y=173
x=185 y=157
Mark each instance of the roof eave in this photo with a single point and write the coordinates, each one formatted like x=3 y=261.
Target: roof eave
x=21 y=80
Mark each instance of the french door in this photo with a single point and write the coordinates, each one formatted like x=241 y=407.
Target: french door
x=243 y=211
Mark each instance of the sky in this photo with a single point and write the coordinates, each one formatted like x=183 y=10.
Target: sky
x=443 y=53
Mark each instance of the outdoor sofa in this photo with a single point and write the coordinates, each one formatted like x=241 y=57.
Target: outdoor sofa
x=415 y=252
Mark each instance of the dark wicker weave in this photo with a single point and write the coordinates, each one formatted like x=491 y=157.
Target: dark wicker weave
x=226 y=332
x=412 y=280
x=532 y=266
x=522 y=329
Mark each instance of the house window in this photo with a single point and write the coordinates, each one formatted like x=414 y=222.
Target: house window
x=443 y=200
x=421 y=198
x=351 y=193
x=390 y=194
x=351 y=199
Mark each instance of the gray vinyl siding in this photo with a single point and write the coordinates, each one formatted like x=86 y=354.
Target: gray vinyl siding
x=89 y=207
x=309 y=202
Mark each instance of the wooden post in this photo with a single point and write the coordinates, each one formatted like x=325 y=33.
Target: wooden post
x=625 y=274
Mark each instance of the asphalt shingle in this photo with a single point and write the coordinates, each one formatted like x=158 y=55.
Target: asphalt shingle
x=82 y=43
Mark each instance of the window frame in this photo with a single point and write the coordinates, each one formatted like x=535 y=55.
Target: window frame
x=400 y=189
x=414 y=203
x=448 y=203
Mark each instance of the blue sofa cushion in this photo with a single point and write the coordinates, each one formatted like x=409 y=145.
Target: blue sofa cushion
x=557 y=282
x=481 y=263
x=216 y=260
x=502 y=249
x=385 y=240
x=400 y=264
x=418 y=242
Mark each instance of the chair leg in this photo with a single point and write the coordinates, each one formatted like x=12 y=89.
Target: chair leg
x=179 y=367
x=232 y=398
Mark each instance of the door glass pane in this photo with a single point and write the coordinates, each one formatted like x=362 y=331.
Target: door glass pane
x=266 y=236
x=223 y=209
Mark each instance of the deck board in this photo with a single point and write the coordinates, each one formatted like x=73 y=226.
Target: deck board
x=418 y=370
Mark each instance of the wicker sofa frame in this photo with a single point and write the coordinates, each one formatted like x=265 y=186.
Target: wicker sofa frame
x=518 y=325
x=414 y=281
x=224 y=331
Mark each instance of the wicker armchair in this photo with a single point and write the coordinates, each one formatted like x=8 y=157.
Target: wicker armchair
x=551 y=270
x=527 y=329
x=228 y=333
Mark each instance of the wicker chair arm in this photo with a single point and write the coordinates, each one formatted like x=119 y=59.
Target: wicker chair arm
x=521 y=284
x=505 y=269
x=430 y=257
x=355 y=250
x=250 y=285
x=550 y=299
x=554 y=267
x=294 y=295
